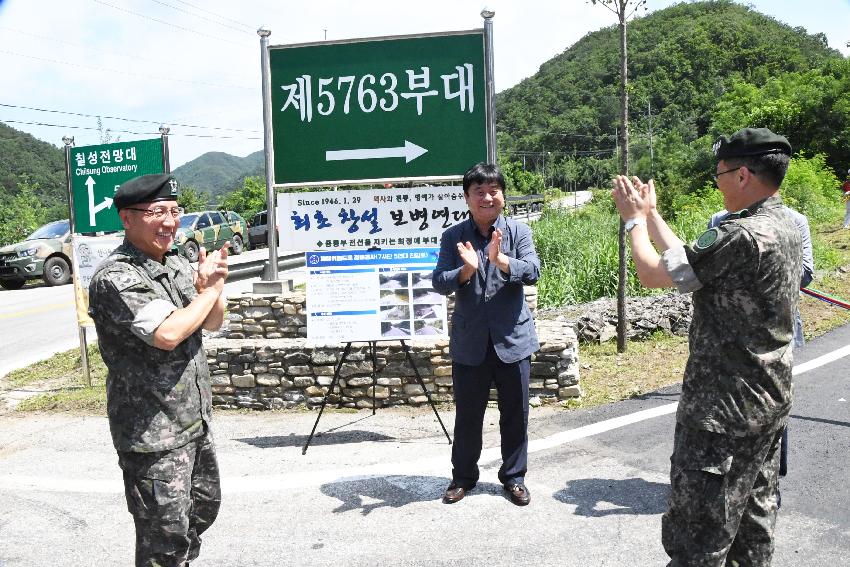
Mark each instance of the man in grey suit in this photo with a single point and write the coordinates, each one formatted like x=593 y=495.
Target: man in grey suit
x=485 y=261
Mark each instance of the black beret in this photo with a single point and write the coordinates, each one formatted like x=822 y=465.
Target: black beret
x=751 y=142
x=146 y=189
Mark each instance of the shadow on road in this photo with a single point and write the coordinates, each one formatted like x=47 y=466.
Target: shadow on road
x=395 y=491
x=820 y=420
x=597 y=497
x=328 y=438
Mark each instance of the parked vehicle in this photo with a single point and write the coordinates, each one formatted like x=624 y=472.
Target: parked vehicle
x=210 y=229
x=46 y=254
x=258 y=230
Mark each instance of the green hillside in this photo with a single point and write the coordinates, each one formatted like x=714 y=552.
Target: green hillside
x=218 y=173
x=688 y=65
x=28 y=159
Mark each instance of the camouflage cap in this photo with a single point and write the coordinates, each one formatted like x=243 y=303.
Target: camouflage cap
x=146 y=189
x=750 y=142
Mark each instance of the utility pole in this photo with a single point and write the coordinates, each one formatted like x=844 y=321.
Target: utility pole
x=651 y=156
x=544 y=166
x=623 y=9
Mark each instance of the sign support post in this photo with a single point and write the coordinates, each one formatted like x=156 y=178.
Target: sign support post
x=491 y=88
x=166 y=161
x=271 y=273
x=84 y=352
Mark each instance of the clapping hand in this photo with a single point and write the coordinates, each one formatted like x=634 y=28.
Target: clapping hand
x=468 y=254
x=634 y=199
x=495 y=254
x=212 y=269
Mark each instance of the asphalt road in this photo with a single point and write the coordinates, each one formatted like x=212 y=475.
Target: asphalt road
x=38 y=321
x=368 y=490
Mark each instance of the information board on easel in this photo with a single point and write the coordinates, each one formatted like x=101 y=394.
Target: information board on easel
x=366 y=295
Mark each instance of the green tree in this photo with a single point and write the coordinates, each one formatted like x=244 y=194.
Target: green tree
x=193 y=200
x=518 y=181
x=812 y=188
x=811 y=108
x=105 y=134
x=20 y=214
x=249 y=199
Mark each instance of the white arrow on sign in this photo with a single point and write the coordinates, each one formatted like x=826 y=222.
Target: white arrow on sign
x=94 y=209
x=409 y=151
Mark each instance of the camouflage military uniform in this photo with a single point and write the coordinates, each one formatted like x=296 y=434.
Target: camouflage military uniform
x=159 y=404
x=736 y=393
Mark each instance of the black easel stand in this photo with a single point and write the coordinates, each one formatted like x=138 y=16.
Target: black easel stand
x=373 y=356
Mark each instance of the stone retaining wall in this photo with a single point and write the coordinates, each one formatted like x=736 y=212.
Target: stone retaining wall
x=264 y=361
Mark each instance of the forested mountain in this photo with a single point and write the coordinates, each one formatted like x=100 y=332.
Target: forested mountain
x=696 y=70
x=218 y=173
x=26 y=159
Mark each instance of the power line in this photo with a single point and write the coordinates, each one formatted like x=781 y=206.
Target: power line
x=169 y=24
x=160 y=122
x=187 y=12
x=561 y=134
x=86 y=47
x=80 y=45
x=92 y=68
x=579 y=153
x=252 y=28
x=33 y=123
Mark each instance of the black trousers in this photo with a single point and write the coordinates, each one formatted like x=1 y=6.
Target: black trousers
x=471 y=385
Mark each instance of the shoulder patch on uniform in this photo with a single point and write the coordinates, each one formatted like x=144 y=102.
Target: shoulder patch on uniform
x=707 y=239
x=125 y=279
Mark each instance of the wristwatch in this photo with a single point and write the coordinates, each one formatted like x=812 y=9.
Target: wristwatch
x=637 y=221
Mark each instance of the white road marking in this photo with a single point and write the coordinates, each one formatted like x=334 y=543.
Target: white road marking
x=433 y=465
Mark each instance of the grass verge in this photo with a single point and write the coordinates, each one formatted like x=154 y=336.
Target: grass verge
x=63 y=384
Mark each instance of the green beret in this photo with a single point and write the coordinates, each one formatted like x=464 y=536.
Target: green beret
x=146 y=189
x=751 y=142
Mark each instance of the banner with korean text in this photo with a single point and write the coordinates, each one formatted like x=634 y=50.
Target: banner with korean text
x=383 y=218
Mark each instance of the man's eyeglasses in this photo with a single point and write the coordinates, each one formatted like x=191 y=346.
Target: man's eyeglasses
x=157 y=213
x=719 y=173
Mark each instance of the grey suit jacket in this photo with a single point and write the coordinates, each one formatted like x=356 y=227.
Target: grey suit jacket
x=491 y=304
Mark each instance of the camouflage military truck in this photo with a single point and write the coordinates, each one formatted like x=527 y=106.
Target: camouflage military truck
x=46 y=254
x=210 y=229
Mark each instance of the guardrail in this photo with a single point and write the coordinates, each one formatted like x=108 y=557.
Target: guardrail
x=252 y=268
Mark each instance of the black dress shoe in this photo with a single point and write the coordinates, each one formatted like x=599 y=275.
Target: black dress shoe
x=455 y=492
x=518 y=494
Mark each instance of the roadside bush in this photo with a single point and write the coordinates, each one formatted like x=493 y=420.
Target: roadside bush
x=812 y=188
x=578 y=250
x=578 y=254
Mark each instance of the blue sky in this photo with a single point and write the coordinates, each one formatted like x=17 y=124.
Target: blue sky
x=195 y=63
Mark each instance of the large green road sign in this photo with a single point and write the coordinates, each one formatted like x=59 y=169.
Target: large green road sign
x=97 y=171
x=407 y=107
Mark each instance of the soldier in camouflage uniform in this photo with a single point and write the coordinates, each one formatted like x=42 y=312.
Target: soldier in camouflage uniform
x=149 y=307
x=736 y=393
